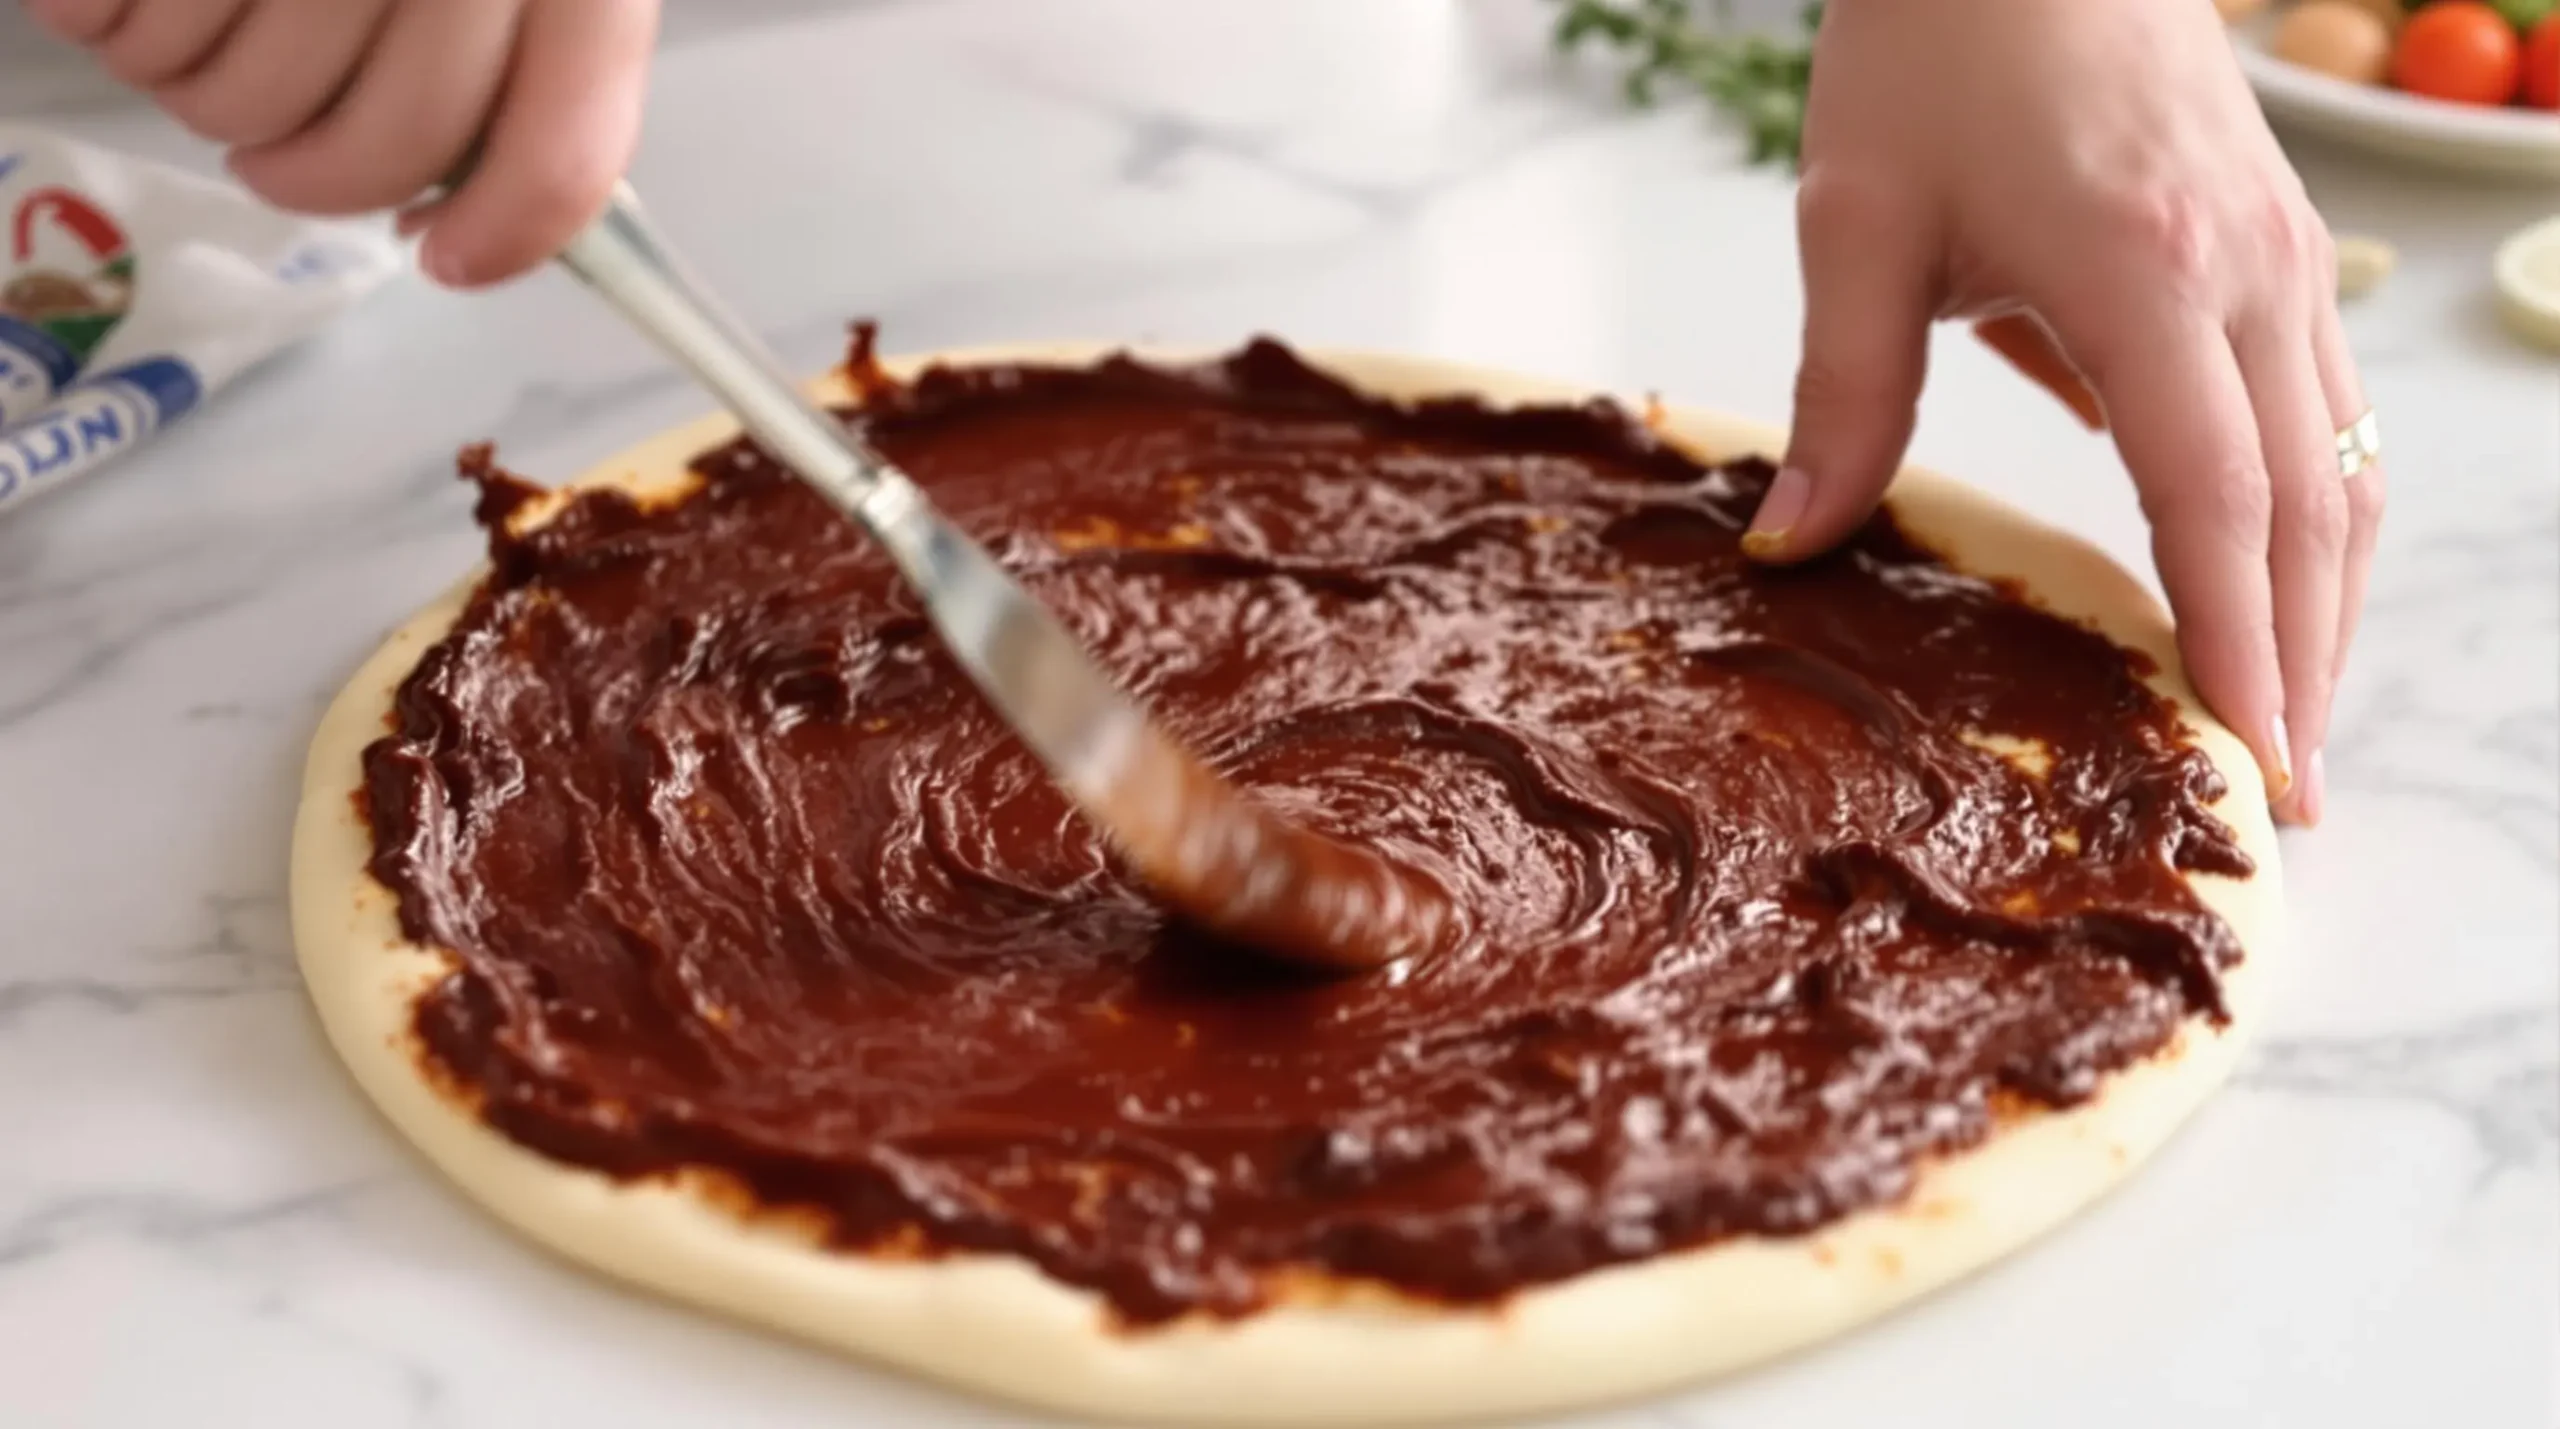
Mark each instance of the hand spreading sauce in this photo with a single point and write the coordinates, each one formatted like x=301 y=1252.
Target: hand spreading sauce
x=1764 y=886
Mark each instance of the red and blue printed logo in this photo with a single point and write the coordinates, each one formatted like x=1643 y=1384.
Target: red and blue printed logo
x=66 y=283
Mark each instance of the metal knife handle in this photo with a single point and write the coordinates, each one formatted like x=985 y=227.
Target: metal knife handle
x=1228 y=863
x=621 y=257
x=1038 y=676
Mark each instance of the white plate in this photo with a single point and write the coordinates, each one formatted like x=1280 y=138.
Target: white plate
x=2430 y=131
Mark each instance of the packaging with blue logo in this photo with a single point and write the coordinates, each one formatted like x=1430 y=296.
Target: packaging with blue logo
x=130 y=292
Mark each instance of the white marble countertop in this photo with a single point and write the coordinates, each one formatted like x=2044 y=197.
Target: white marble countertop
x=201 y=1223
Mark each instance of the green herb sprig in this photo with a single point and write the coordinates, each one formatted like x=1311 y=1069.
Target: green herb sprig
x=1758 y=81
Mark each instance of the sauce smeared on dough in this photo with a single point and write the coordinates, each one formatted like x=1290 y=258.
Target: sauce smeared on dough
x=1767 y=884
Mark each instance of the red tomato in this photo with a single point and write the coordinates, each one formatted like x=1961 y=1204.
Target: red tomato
x=2542 y=63
x=2458 y=50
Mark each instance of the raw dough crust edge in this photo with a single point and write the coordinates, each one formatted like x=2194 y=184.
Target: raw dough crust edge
x=1332 y=1355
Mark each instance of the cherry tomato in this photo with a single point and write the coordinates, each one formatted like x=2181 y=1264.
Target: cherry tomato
x=2458 y=50
x=2542 y=63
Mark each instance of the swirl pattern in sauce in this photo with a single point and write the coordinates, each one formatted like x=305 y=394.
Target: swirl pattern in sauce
x=1769 y=884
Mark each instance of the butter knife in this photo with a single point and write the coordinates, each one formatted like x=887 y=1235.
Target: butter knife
x=1224 y=862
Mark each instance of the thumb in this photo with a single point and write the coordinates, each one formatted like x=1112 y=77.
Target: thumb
x=1870 y=293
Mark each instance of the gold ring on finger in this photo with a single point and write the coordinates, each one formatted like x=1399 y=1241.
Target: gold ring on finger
x=2359 y=444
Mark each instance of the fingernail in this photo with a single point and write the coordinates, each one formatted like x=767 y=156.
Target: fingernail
x=1780 y=509
x=440 y=264
x=2280 y=778
x=2315 y=788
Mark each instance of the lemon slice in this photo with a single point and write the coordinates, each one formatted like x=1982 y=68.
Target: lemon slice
x=2528 y=273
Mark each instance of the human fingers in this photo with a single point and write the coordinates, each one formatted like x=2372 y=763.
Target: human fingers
x=411 y=111
x=561 y=137
x=284 y=63
x=82 y=22
x=161 y=40
x=1870 y=293
x=2365 y=489
x=2184 y=423
x=2308 y=532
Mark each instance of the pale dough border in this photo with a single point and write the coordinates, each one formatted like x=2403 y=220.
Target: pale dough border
x=996 y=1325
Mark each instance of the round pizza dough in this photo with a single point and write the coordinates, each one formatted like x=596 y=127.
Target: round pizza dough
x=1325 y=1353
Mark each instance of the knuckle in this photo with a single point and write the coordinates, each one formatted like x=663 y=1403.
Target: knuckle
x=2309 y=683
x=215 y=114
x=2319 y=259
x=221 y=108
x=2279 y=232
x=2309 y=680
x=2235 y=660
x=205 y=113
x=82 y=22
x=2293 y=243
x=560 y=196
x=2240 y=501
x=315 y=182
x=521 y=214
x=2170 y=230
x=2317 y=514
x=2231 y=503
x=2308 y=688
x=135 y=66
x=371 y=168
x=2366 y=498
x=1824 y=383
x=281 y=184
x=153 y=49
x=1834 y=200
